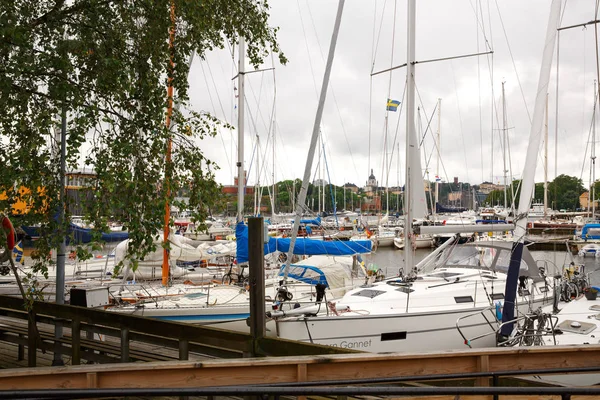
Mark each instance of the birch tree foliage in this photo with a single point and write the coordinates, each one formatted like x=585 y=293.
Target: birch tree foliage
x=107 y=63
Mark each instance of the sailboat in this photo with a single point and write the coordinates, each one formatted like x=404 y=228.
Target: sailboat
x=419 y=310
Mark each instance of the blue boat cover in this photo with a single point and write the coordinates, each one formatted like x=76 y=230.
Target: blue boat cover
x=85 y=235
x=303 y=246
x=590 y=231
x=316 y=221
x=305 y=273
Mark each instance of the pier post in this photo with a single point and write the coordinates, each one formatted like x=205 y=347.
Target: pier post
x=257 y=280
x=32 y=340
x=124 y=345
x=76 y=342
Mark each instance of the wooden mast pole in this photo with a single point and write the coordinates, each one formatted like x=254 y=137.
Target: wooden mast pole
x=166 y=229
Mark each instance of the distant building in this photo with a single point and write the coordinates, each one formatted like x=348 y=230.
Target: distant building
x=233 y=189
x=352 y=187
x=371 y=185
x=584 y=201
x=488 y=187
x=371 y=205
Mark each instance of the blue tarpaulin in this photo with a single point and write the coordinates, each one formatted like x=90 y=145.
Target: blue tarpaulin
x=303 y=246
x=316 y=221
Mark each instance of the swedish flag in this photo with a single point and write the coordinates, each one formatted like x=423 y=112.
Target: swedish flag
x=18 y=251
x=392 y=105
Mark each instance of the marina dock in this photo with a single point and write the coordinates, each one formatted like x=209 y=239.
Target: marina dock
x=179 y=359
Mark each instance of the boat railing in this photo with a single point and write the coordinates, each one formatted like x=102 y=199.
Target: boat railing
x=463 y=322
x=529 y=328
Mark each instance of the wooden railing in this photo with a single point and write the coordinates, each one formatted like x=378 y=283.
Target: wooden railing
x=184 y=337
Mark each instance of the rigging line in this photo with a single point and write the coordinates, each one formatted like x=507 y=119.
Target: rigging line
x=371 y=85
x=491 y=71
x=215 y=111
x=374 y=54
x=259 y=112
x=588 y=139
x=387 y=112
x=513 y=60
x=307 y=49
x=479 y=23
x=460 y=119
x=434 y=147
x=478 y=7
x=597 y=59
x=399 y=115
x=333 y=92
x=330 y=188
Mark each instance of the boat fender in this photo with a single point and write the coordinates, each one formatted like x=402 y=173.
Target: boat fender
x=498 y=311
x=10 y=232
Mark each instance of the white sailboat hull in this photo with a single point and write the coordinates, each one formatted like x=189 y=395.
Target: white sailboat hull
x=432 y=331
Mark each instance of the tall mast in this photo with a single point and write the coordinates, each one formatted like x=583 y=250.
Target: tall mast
x=398 y=182
x=257 y=190
x=241 y=106
x=274 y=131
x=504 y=141
x=314 y=138
x=410 y=133
x=437 y=168
x=546 y=162
x=593 y=189
x=319 y=184
x=387 y=112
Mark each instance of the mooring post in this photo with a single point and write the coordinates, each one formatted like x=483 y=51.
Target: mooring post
x=76 y=342
x=184 y=349
x=31 y=340
x=124 y=345
x=256 y=268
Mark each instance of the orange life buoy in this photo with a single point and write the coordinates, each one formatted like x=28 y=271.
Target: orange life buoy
x=10 y=232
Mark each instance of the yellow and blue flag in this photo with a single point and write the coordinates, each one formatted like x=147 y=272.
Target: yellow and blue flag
x=392 y=105
x=18 y=252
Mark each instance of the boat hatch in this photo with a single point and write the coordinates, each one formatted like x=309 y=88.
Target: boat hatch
x=497 y=296
x=405 y=289
x=582 y=328
x=463 y=299
x=369 y=293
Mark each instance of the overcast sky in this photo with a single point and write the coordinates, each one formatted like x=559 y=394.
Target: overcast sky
x=471 y=137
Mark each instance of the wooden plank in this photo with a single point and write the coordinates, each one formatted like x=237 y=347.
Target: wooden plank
x=92 y=380
x=301 y=377
x=285 y=369
x=483 y=365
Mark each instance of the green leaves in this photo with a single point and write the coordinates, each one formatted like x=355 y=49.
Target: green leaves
x=106 y=62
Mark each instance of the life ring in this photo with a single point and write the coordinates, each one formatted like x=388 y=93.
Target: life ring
x=10 y=233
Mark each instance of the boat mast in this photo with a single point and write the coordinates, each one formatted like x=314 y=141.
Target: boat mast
x=240 y=163
x=398 y=183
x=410 y=133
x=437 y=168
x=274 y=136
x=504 y=141
x=546 y=162
x=314 y=138
x=319 y=184
x=528 y=181
x=593 y=188
x=257 y=195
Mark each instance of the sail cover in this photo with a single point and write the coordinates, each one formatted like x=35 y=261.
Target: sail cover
x=303 y=246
